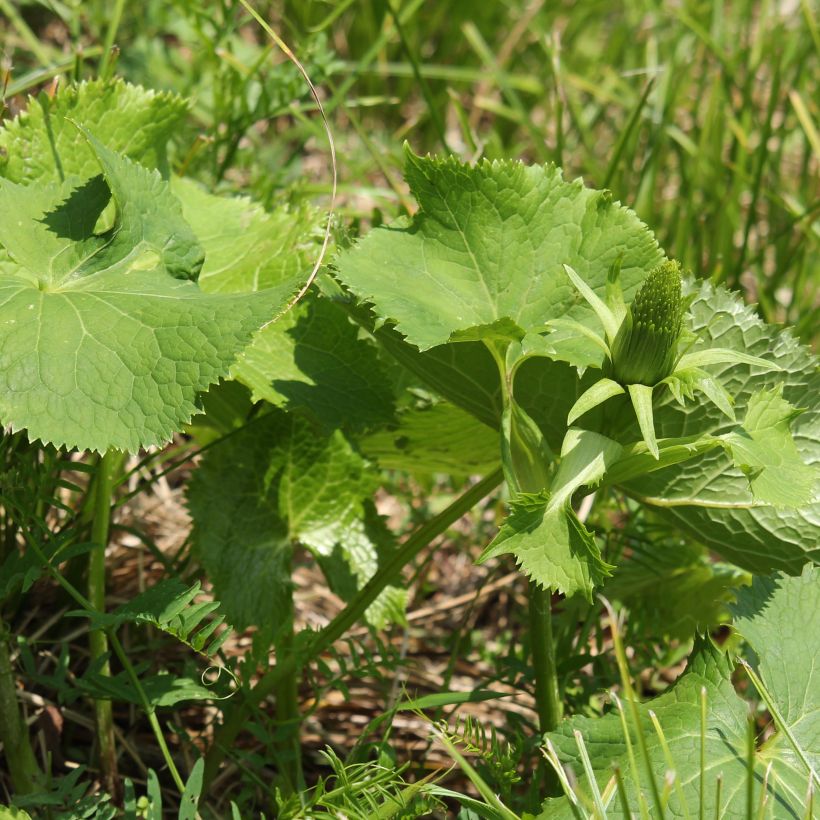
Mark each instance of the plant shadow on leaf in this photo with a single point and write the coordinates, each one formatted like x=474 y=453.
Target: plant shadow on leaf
x=76 y=217
x=341 y=379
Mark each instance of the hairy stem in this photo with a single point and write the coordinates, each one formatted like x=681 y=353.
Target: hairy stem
x=22 y=765
x=237 y=714
x=103 y=488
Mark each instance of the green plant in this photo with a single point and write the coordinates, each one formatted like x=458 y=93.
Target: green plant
x=107 y=340
x=479 y=265
x=460 y=339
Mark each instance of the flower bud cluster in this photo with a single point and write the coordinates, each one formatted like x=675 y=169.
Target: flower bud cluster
x=646 y=347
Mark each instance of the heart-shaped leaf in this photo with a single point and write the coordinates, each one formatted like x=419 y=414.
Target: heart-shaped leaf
x=103 y=341
x=484 y=253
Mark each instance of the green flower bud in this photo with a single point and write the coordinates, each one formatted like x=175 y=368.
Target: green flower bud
x=646 y=347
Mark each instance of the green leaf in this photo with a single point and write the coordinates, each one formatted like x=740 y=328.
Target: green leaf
x=164 y=690
x=354 y=560
x=602 y=390
x=225 y=408
x=311 y=357
x=437 y=439
x=168 y=606
x=487 y=246
x=41 y=145
x=717 y=355
x=322 y=483
x=708 y=496
x=641 y=396
x=605 y=316
x=193 y=787
x=707 y=679
x=238 y=533
x=247 y=248
x=779 y=617
x=525 y=455
x=672 y=588
x=314 y=358
x=569 y=342
x=13 y=813
x=767 y=454
x=465 y=374
x=279 y=480
x=551 y=546
x=103 y=344
x=585 y=459
x=718 y=395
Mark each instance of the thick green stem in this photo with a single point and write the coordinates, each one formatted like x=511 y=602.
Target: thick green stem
x=547 y=699
x=238 y=714
x=289 y=748
x=104 y=480
x=528 y=469
x=22 y=765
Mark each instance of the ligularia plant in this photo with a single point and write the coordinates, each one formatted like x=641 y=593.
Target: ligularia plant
x=491 y=294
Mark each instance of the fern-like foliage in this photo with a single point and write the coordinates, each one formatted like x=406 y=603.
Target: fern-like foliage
x=169 y=606
x=370 y=657
x=499 y=757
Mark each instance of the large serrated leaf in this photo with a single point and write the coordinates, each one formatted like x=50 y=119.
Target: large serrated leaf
x=238 y=534
x=41 y=145
x=278 y=481
x=313 y=358
x=310 y=358
x=766 y=614
x=111 y=350
x=709 y=496
x=441 y=438
x=485 y=251
x=247 y=248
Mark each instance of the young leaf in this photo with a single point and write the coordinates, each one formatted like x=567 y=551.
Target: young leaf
x=569 y=342
x=717 y=355
x=767 y=454
x=585 y=459
x=605 y=316
x=551 y=546
x=602 y=390
x=168 y=606
x=487 y=245
x=708 y=496
x=641 y=396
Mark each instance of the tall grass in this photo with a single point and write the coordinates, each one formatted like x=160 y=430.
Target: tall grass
x=702 y=116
